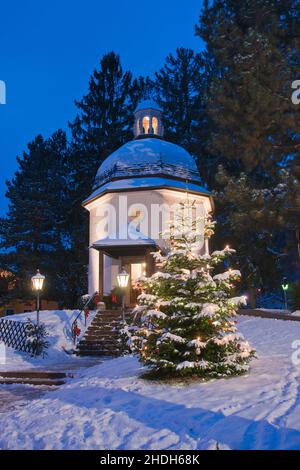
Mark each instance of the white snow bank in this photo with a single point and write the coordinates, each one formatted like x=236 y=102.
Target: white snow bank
x=110 y=407
x=58 y=324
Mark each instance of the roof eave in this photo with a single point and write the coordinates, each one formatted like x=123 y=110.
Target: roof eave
x=107 y=191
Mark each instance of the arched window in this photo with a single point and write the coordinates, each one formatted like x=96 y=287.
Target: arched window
x=146 y=125
x=138 y=130
x=148 y=121
x=155 y=125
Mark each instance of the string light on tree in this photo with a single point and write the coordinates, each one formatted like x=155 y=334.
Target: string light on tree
x=186 y=312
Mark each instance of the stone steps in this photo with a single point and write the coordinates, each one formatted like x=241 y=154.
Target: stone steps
x=36 y=382
x=97 y=352
x=102 y=337
x=99 y=345
x=37 y=378
x=116 y=326
x=33 y=374
x=99 y=341
x=105 y=330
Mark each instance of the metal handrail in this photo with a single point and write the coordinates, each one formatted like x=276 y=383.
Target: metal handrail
x=74 y=324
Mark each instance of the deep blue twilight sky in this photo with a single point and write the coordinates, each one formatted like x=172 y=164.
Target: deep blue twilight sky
x=49 y=48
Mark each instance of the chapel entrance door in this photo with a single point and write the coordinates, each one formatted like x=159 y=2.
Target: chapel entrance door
x=135 y=266
x=137 y=270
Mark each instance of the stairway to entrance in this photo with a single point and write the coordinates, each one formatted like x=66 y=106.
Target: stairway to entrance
x=102 y=337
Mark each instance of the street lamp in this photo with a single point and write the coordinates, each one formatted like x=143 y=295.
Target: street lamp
x=37 y=285
x=122 y=279
x=285 y=287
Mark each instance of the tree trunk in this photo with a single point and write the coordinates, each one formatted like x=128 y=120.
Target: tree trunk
x=252 y=297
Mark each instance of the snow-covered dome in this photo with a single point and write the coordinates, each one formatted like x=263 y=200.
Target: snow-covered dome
x=147 y=104
x=148 y=161
x=148 y=157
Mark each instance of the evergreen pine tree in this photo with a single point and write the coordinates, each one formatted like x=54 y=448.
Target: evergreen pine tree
x=178 y=89
x=251 y=59
x=33 y=232
x=104 y=122
x=187 y=312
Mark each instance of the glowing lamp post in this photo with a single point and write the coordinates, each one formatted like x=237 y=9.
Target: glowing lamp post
x=285 y=287
x=37 y=285
x=122 y=279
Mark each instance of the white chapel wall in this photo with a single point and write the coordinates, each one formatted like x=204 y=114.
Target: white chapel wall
x=109 y=219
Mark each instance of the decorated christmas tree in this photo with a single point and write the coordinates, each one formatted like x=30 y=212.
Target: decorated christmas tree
x=185 y=318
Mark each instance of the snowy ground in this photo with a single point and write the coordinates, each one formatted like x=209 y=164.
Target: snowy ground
x=59 y=325
x=110 y=407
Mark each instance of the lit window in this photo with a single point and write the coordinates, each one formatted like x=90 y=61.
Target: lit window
x=155 y=125
x=136 y=272
x=146 y=125
x=138 y=127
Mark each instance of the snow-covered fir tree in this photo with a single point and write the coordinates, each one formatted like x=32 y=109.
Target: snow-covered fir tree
x=185 y=315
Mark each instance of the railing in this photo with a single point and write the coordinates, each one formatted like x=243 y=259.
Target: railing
x=150 y=169
x=15 y=335
x=74 y=328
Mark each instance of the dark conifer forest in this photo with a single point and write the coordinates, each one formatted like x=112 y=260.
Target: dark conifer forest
x=229 y=105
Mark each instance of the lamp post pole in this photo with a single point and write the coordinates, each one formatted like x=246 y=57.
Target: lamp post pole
x=122 y=279
x=38 y=308
x=37 y=285
x=123 y=305
x=285 y=287
x=285 y=300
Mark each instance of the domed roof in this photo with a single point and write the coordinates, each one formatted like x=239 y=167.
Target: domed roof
x=147 y=104
x=148 y=157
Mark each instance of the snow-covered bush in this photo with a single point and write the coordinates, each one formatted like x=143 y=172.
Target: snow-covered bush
x=36 y=337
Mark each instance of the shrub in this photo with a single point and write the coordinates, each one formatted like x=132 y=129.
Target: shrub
x=36 y=336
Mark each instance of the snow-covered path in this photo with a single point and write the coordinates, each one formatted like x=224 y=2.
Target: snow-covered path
x=12 y=397
x=110 y=407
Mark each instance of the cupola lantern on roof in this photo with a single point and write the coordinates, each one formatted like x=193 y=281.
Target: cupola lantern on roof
x=148 y=120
